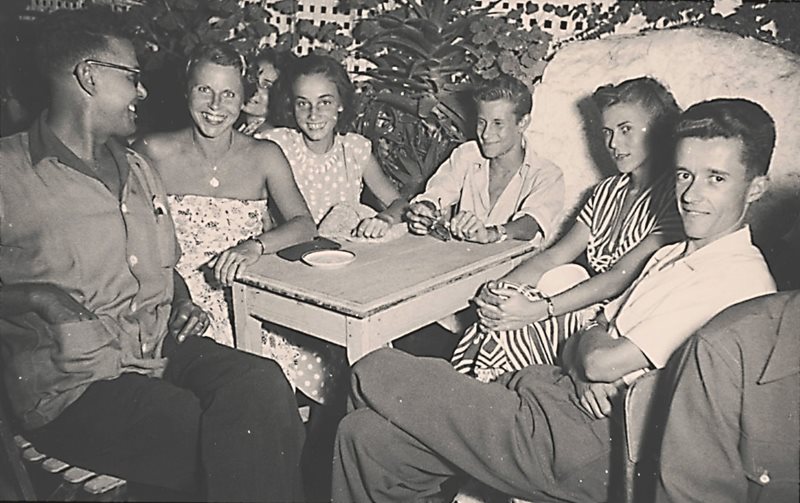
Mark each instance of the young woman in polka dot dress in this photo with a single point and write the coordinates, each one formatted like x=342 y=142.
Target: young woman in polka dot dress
x=331 y=167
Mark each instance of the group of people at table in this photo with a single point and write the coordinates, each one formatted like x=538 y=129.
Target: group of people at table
x=115 y=263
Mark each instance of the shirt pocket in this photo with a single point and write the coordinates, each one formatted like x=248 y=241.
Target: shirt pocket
x=165 y=241
x=761 y=488
x=168 y=250
x=772 y=477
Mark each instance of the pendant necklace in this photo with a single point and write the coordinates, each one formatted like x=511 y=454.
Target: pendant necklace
x=214 y=181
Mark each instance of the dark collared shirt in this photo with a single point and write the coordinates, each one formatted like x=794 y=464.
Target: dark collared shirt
x=733 y=431
x=113 y=253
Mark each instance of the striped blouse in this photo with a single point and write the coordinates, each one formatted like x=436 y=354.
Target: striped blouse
x=653 y=212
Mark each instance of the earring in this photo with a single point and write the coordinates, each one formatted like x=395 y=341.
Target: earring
x=340 y=109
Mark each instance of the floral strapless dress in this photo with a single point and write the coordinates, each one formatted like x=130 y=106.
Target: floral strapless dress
x=206 y=226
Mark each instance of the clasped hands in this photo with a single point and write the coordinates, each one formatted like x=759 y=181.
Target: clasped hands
x=421 y=217
x=504 y=306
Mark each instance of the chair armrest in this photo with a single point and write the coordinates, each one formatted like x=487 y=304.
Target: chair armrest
x=638 y=418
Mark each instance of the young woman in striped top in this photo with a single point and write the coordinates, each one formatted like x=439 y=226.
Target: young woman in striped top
x=526 y=315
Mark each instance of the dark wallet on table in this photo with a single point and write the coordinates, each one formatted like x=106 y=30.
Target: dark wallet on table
x=296 y=252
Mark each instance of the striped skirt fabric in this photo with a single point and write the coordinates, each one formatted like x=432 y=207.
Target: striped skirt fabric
x=488 y=354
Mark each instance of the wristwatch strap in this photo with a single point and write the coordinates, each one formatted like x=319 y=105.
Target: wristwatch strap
x=502 y=235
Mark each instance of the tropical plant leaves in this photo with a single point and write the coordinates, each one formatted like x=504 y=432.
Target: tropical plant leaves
x=426 y=53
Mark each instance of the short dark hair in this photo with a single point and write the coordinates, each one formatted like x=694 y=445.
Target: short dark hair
x=506 y=87
x=265 y=55
x=733 y=118
x=222 y=54
x=317 y=64
x=65 y=38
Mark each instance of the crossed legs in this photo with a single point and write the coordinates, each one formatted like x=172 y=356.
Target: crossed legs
x=418 y=422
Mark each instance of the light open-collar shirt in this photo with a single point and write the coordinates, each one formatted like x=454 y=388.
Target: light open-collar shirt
x=536 y=189
x=112 y=253
x=680 y=290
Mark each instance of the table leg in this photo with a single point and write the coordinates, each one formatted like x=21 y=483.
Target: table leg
x=363 y=337
x=246 y=329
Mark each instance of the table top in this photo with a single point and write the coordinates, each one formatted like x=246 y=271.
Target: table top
x=382 y=274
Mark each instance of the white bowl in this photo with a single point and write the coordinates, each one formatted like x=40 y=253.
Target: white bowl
x=328 y=259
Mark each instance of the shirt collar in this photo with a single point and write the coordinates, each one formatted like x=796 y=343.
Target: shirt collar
x=528 y=158
x=783 y=361
x=735 y=241
x=44 y=143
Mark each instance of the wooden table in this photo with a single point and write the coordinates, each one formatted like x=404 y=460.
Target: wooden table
x=389 y=290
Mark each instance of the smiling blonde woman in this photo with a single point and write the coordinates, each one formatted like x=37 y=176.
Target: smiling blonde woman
x=219 y=184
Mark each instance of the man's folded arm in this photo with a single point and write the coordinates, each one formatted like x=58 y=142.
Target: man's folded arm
x=48 y=301
x=600 y=357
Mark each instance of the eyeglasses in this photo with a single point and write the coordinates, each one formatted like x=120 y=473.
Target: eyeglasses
x=134 y=71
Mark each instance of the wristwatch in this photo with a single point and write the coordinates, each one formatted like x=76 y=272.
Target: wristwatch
x=501 y=234
x=259 y=243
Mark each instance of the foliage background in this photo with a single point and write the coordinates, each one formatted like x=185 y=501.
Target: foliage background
x=426 y=56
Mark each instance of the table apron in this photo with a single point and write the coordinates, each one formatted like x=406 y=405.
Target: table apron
x=359 y=335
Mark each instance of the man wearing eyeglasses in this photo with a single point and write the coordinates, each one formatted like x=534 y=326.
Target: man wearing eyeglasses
x=101 y=350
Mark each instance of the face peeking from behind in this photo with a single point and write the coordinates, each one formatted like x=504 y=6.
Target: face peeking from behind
x=258 y=104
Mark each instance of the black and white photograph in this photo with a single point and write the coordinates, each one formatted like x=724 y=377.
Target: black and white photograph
x=363 y=251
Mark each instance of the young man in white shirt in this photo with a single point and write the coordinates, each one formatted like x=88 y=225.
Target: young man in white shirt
x=500 y=187
x=543 y=433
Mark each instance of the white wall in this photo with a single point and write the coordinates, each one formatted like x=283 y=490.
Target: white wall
x=695 y=64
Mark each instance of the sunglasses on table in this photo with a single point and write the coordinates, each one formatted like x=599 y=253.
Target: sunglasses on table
x=135 y=72
x=441 y=230
x=439 y=227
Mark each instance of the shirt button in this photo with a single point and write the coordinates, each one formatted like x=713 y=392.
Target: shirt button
x=124 y=208
x=134 y=306
x=133 y=259
x=144 y=347
x=764 y=478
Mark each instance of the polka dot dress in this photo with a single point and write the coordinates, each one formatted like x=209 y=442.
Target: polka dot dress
x=310 y=364
x=327 y=179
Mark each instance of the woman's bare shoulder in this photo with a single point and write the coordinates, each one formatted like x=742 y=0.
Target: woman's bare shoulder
x=260 y=149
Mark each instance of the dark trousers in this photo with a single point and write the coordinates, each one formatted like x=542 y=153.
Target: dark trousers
x=418 y=422
x=221 y=424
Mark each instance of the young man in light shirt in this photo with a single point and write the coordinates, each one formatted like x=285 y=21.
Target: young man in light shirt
x=543 y=432
x=500 y=187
